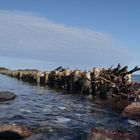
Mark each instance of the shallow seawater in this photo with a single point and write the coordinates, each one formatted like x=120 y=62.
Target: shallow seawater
x=136 y=78
x=54 y=114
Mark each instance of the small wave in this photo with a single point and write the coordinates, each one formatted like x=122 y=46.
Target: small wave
x=133 y=122
x=62 y=120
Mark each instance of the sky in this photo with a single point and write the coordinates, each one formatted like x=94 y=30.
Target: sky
x=45 y=34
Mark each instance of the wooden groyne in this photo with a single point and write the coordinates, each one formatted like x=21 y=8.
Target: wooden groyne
x=105 y=83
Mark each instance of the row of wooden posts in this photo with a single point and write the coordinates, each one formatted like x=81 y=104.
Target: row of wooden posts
x=60 y=78
x=109 y=82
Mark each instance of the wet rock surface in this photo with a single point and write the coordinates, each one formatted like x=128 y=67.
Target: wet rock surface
x=105 y=134
x=6 y=96
x=14 y=132
x=132 y=111
x=9 y=135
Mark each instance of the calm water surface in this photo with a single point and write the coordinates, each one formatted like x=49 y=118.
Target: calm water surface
x=54 y=114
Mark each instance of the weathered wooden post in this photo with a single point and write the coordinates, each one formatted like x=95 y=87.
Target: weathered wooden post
x=60 y=79
x=88 y=82
x=46 y=75
x=96 y=73
x=34 y=76
x=25 y=75
x=56 y=73
x=38 y=75
x=13 y=73
x=20 y=74
x=66 y=74
x=86 y=87
x=16 y=74
x=73 y=80
x=42 y=75
x=128 y=78
x=88 y=75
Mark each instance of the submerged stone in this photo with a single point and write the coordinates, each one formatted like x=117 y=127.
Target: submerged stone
x=132 y=111
x=105 y=134
x=6 y=96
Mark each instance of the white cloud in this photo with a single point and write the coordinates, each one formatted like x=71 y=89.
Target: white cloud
x=26 y=35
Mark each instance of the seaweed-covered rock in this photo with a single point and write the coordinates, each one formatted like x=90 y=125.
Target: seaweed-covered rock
x=6 y=96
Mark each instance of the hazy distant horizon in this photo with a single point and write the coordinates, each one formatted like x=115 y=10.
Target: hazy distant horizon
x=44 y=65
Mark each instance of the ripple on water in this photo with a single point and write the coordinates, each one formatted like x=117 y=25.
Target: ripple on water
x=62 y=107
x=134 y=123
x=25 y=110
x=55 y=115
x=62 y=120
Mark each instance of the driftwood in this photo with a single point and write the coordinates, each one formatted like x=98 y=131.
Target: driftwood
x=116 y=83
x=132 y=71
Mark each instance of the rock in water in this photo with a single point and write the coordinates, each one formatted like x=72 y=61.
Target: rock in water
x=9 y=135
x=6 y=96
x=132 y=111
x=14 y=132
x=105 y=134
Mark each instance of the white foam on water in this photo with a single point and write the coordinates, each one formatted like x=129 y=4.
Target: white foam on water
x=133 y=122
x=25 y=110
x=78 y=114
x=46 y=110
x=62 y=107
x=62 y=120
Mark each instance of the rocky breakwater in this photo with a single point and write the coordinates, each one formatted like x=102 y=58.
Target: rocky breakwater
x=102 y=82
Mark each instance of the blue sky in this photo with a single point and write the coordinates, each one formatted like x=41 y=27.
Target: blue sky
x=72 y=33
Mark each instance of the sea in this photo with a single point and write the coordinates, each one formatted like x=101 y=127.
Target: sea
x=57 y=115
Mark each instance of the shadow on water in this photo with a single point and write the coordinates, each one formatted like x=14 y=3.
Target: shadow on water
x=56 y=115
